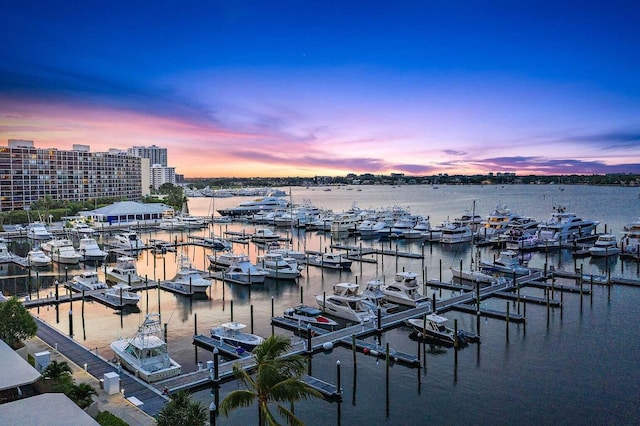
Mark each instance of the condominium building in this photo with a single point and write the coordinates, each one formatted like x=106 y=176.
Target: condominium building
x=28 y=174
x=155 y=154
x=161 y=174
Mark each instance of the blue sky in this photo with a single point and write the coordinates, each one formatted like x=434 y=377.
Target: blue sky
x=304 y=88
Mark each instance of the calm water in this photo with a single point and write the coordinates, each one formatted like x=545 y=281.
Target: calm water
x=576 y=366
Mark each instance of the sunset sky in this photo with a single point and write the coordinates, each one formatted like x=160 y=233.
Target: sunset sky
x=305 y=88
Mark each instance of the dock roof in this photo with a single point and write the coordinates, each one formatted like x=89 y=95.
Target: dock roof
x=51 y=409
x=15 y=371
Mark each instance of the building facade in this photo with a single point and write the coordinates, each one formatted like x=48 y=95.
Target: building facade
x=155 y=154
x=28 y=174
x=161 y=174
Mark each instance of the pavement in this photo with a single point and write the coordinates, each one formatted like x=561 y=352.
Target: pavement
x=115 y=404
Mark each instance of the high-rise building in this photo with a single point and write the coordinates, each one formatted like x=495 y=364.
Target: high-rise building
x=161 y=174
x=28 y=174
x=155 y=154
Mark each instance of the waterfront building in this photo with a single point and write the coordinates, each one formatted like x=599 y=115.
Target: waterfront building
x=129 y=212
x=155 y=154
x=28 y=174
x=162 y=174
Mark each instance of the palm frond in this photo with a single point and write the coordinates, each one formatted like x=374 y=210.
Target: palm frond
x=291 y=419
x=237 y=399
x=293 y=389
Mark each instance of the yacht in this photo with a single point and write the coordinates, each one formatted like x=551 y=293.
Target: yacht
x=404 y=290
x=88 y=281
x=90 y=250
x=224 y=260
x=454 y=234
x=121 y=294
x=432 y=328
x=5 y=255
x=564 y=227
x=605 y=245
x=329 y=260
x=61 y=251
x=38 y=231
x=231 y=334
x=265 y=235
x=496 y=223
x=346 y=302
x=146 y=354
x=37 y=259
x=344 y=223
x=244 y=272
x=248 y=208
x=475 y=276
x=630 y=241
x=309 y=315
x=507 y=263
x=277 y=266
x=124 y=271
x=171 y=224
x=128 y=240
x=375 y=298
x=188 y=278
x=82 y=229
x=403 y=228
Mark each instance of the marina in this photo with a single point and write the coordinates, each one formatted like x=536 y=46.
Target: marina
x=558 y=283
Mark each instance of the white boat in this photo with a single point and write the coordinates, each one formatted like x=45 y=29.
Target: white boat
x=171 y=224
x=248 y=208
x=61 y=251
x=265 y=235
x=630 y=241
x=403 y=228
x=346 y=302
x=231 y=334
x=82 y=229
x=475 y=276
x=186 y=221
x=433 y=329
x=375 y=298
x=38 y=231
x=521 y=237
x=90 y=250
x=88 y=281
x=605 y=245
x=404 y=290
x=146 y=354
x=329 y=260
x=37 y=259
x=224 y=260
x=188 y=278
x=124 y=271
x=120 y=294
x=5 y=255
x=309 y=315
x=244 y=272
x=564 y=227
x=508 y=262
x=496 y=223
x=455 y=234
x=128 y=240
x=344 y=223
x=277 y=266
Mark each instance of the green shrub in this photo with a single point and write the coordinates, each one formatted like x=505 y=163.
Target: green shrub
x=105 y=418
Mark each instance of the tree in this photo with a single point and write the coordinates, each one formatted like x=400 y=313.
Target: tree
x=181 y=410
x=16 y=323
x=277 y=380
x=81 y=394
x=57 y=370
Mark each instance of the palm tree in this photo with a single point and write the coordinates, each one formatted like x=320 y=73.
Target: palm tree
x=182 y=411
x=81 y=394
x=277 y=380
x=56 y=371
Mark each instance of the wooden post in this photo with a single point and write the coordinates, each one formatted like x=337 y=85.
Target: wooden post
x=507 y=321
x=251 y=314
x=231 y=303
x=195 y=323
x=354 y=349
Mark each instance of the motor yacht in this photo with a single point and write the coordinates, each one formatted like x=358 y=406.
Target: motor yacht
x=507 y=263
x=375 y=298
x=329 y=260
x=564 y=227
x=244 y=272
x=188 y=278
x=5 y=255
x=88 y=281
x=475 y=276
x=403 y=228
x=231 y=334
x=455 y=234
x=605 y=245
x=277 y=266
x=82 y=229
x=630 y=241
x=38 y=231
x=224 y=260
x=346 y=302
x=146 y=354
x=432 y=328
x=128 y=240
x=121 y=294
x=124 y=271
x=90 y=250
x=61 y=251
x=496 y=223
x=248 y=208
x=265 y=235
x=38 y=259
x=404 y=290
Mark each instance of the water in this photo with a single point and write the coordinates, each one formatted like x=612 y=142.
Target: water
x=576 y=364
